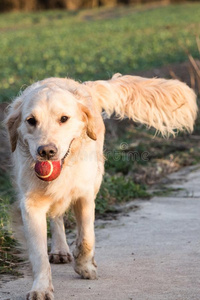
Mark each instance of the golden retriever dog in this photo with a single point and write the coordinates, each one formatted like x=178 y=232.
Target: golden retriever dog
x=61 y=120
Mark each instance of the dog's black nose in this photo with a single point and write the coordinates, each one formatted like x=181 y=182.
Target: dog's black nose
x=47 y=151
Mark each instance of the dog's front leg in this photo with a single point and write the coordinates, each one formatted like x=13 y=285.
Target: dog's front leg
x=84 y=251
x=34 y=219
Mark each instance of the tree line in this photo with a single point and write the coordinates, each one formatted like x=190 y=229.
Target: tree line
x=31 y=5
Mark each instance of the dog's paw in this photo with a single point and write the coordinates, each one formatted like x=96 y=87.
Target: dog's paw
x=38 y=295
x=60 y=258
x=87 y=270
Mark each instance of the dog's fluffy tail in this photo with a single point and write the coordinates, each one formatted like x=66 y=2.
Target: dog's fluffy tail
x=166 y=105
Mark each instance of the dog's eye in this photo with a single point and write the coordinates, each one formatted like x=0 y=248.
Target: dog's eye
x=31 y=121
x=64 y=119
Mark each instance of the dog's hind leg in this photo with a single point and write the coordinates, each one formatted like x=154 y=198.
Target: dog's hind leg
x=84 y=251
x=59 y=248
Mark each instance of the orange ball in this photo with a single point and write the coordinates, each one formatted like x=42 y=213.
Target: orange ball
x=47 y=170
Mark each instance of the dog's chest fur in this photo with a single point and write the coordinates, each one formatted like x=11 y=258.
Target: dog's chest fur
x=80 y=177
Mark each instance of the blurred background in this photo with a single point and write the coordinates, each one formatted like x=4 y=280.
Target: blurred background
x=29 y=5
x=89 y=40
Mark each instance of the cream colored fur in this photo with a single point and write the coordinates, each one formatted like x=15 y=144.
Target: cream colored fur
x=167 y=105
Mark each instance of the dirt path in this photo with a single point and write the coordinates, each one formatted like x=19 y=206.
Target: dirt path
x=151 y=253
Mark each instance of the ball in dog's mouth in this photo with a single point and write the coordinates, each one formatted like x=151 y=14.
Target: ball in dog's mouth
x=48 y=170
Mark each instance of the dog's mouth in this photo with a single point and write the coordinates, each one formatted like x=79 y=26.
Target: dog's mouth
x=49 y=170
x=67 y=153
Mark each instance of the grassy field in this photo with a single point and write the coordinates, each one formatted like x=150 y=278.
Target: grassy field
x=94 y=44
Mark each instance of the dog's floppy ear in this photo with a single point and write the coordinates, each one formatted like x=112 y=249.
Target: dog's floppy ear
x=89 y=119
x=12 y=122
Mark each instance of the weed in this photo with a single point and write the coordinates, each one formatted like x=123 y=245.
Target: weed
x=118 y=189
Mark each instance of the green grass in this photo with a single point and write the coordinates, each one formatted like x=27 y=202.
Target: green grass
x=86 y=45
x=8 y=261
x=117 y=189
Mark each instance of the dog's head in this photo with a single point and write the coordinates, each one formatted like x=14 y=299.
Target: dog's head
x=48 y=116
